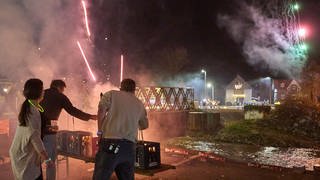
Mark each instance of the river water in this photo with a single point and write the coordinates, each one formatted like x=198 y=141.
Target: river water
x=284 y=157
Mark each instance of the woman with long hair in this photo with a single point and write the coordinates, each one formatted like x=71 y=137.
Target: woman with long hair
x=27 y=150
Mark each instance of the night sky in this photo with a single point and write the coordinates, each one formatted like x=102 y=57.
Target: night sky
x=143 y=29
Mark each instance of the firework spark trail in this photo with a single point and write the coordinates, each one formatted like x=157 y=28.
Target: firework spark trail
x=86 y=61
x=292 y=21
x=86 y=17
x=269 y=33
x=121 y=68
x=292 y=30
x=296 y=32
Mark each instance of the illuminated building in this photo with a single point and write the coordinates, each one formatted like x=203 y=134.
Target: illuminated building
x=238 y=92
x=285 y=88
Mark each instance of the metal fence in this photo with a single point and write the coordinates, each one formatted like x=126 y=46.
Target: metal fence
x=166 y=98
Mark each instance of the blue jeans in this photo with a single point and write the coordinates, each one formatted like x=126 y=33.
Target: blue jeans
x=50 y=143
x=122 y=162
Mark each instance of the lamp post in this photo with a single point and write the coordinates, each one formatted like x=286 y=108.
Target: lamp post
x=209 y=85
x=270 y=90
x=205 y=82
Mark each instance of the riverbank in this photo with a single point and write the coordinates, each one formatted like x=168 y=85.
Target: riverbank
x=287 y=137
x=244 y=153
x=259 y=132
x=294 y=123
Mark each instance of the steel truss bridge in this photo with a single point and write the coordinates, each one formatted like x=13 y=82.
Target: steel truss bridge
x=166 y=98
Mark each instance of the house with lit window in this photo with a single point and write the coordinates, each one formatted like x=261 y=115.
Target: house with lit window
x=284 y=88
x=238 y=92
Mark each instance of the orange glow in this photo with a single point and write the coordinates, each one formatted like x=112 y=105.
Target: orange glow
x=4 y=126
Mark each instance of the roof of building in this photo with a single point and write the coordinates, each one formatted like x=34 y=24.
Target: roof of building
x=240 y=82
x=285 y=83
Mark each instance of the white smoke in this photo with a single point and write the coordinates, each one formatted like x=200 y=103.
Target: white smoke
x=38 y=39
x=263 y=40
x=190 y=80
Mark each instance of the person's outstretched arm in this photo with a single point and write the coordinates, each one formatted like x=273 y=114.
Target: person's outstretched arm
x=73 y=111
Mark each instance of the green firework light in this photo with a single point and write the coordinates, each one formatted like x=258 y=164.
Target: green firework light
x=296 y=6
x=296 y=34
x=299 y=51
x=303 y=47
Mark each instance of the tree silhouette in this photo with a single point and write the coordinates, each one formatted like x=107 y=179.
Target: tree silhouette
x=311 y=80
x=172 y=61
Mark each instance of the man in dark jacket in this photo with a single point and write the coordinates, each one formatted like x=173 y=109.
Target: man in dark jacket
x=53 y=102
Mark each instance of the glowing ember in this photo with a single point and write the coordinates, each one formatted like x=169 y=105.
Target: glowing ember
x=86 y=61
x=86 y=17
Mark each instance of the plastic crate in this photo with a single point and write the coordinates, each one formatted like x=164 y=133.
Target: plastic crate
x=62 y=141
x=85 y=139
x=147 y=155
x=73 y=143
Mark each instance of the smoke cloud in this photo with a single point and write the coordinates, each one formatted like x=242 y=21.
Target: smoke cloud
x=263 y=39
x=190 y=80
x=38 y=39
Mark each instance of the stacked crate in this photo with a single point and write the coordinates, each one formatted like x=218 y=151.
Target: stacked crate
x=77 y=143
x=147 y=155
x=81 y=145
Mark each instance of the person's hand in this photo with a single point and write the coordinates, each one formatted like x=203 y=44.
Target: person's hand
x=99 y=134
x=48 y=163
x=94 y=117
x=44 y=156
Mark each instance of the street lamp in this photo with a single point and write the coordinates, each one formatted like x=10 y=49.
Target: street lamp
x=209 y=85
x=205 y=82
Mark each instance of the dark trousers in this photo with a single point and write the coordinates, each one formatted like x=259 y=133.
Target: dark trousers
x=122 y=162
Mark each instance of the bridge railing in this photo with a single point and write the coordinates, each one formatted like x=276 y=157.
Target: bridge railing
x=166 y=98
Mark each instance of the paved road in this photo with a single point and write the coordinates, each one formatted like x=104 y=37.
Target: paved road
x=188 y=167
